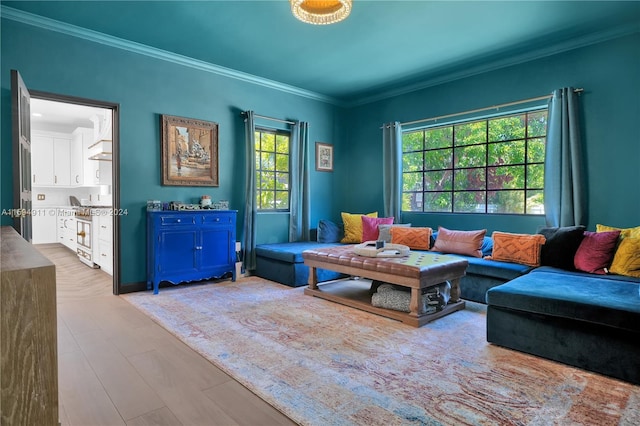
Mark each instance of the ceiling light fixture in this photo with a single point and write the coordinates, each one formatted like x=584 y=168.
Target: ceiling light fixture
x=321 y=12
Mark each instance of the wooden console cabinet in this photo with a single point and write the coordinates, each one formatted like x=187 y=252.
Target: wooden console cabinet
x=28 y=326
x=190 y=245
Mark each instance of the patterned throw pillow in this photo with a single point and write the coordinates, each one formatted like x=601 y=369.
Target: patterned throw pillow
x=626 y=261
x=370 y=226
x=414 y=238
x=517 y=248
x=353 y=226
x=384 y=231
x=468 y=243
x=596 y=251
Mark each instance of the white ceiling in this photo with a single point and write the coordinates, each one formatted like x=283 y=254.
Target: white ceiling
x=61 y=116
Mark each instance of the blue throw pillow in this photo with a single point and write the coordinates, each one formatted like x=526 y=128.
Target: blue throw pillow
x=329 y=232
x=487 y=246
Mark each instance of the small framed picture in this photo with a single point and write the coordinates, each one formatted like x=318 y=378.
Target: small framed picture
x=189 y=152
x=324 y=157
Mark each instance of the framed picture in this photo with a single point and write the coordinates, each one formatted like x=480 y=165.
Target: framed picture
x=324 y=157
x=189 y=152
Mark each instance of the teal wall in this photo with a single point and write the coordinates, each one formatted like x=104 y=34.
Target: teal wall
x=146 y=87
x=609 y=72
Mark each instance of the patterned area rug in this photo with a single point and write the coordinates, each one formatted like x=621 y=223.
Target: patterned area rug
x=322 y=363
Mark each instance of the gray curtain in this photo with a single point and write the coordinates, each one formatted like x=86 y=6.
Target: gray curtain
x=249 y=228
x=299 y=218
x=564 y=177
x=392 y=169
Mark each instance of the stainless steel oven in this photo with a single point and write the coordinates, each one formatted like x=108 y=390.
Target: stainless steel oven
x=84 y=239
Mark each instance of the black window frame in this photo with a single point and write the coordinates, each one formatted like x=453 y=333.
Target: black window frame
x=260 y=172
x=423 y=191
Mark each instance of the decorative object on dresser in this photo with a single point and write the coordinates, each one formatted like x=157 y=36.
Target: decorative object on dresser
x=189 y=152
x=190 y=245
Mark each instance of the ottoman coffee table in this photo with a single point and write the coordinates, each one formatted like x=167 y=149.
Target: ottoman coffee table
x=418 y=271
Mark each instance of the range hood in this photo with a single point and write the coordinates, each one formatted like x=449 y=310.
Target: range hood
x=102 y=129
x=101 y=150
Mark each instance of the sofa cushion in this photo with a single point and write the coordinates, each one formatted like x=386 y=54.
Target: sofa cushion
x=626 y=261
x=329 y=232
x=353 y=226
x=561 y=245
x=370 y=227
x=288 y=252
x=596 y=251
x=468 y=243
x=517 y=248
x=416 y=238
x=582 y=297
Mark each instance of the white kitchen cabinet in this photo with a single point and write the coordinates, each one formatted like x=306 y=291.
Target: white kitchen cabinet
x=66 y=229
x=61 y=162
x=41 y=160
x=50 y=159
x=104 y=257
x=77 y=155
x=44 y=226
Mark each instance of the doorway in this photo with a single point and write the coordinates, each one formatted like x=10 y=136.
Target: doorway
x=74 y=193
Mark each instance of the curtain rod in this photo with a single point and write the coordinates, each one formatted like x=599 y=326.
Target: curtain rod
x=539 y=98
x=270 y=118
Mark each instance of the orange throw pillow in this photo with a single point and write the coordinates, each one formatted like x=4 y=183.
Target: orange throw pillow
x=468 y=243
x=517 y=248
x=414 y=238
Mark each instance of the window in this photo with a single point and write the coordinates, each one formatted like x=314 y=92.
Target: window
x=493 y=165
x=272 y=170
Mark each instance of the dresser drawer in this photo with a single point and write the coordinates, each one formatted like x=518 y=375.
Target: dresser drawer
x=182 y=219
x=223 y=219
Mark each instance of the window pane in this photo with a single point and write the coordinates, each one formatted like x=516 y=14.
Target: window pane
x=507 y=177
x=267 y=161
x=535 y=202
x=412 y=162
x=282 y=163
x=268 y=142
x=412 y=141
x=470 y=156
x=412 y=181
x=438 y=159
x=507 y=128
x=470 y=133
x=441 y=137
x=469 y=179
x=282 y=200
x=282 y=181
x=535 y=151
x=412 y=201
x=267 y=180
x=506 y=201
x=535 y=176
x=537 y=122
x=469 y=202
x=438 y=181
x=282 y=144
x=437 y=201
x=506 y=153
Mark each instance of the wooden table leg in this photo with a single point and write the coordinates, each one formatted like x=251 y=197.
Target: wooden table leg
x=415 y=305
x=313 y=278
x=455 y=291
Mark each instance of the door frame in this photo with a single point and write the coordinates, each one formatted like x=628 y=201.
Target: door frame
x=115 y=167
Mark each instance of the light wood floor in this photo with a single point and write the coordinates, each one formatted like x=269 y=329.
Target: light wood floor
x=118 y=367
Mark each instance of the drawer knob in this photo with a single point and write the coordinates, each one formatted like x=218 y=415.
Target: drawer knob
x=178 y=220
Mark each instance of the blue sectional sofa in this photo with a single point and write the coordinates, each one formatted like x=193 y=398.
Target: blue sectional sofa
x=581 y=319
x=584 y=320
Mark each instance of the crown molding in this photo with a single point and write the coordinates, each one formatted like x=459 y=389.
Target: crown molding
x=142 y=49
x=511 y=60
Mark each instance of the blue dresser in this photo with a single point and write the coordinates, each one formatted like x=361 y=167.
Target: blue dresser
x=190 y=245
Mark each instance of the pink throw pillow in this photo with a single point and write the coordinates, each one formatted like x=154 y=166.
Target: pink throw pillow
x=370 y=226
x=596 y=251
